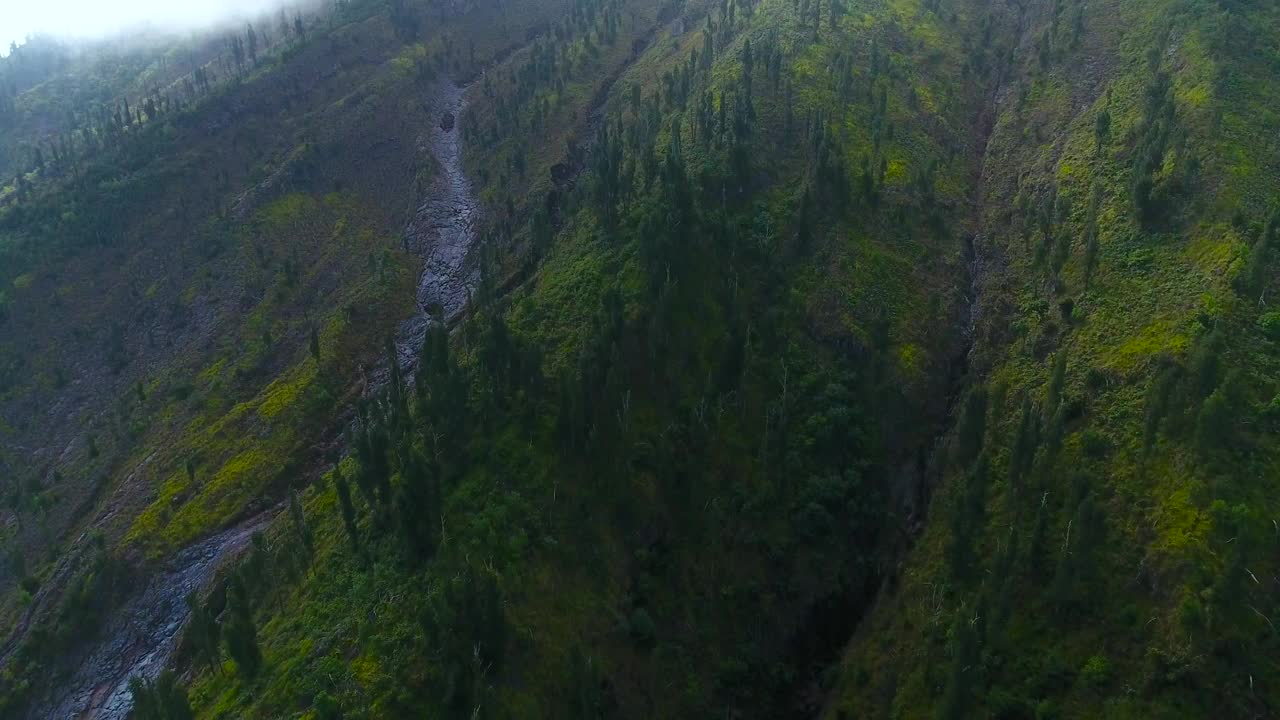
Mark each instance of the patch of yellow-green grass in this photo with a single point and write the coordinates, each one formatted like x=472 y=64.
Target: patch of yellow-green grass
x=1178 y=521
x=910 y=360
x=229 y=421
x=366 y=671
x=284 y=391
x=566 y=295
x=1213 y=250
x=251 y=461
x=810 y=64
x=152 y=520
x=1161 y=337
x=239 y=478
x=896 y=172
x=926 y=27
x=925 y=95
x=24 y=281
x=251 y=454
x=213 y=372
x=281 y=215
x=1193 y=83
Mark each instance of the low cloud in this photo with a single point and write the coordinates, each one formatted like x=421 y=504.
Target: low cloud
x=97 y=19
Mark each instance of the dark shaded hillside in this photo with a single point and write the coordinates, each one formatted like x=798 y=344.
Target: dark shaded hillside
x=681 y=439
x=863 y=358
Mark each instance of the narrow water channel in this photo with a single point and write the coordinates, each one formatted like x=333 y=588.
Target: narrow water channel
x=140 y=637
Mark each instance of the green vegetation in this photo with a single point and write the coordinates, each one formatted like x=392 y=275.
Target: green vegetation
x=644 y=407
x=865 y=358
x=164 y=699
x=1115 y=586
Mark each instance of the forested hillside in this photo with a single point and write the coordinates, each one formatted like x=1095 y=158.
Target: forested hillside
x=630 y=358
x=1104 y=539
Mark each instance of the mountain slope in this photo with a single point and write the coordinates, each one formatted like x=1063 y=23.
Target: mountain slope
x=1101 y=543
x=866 y=358
x=626 y=475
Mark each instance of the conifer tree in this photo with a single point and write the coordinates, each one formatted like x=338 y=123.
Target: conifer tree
x=418 y=506
x=964 y=649
x=252 y=43
x=239 y=632
x=299 y=521
x=1025 y=443
x=1053 y=394
x=348 y=509
x=972 y=427
x=203 y=631
x=163 y=699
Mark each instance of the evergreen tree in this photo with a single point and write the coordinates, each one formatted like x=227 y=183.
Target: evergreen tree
x=299 y=521
x=255 y=565
x=348 y=509
x=1216 y=422
x=238 y=631
x=251 y=37
x=966 y=517
x=964 y=647
x=418 y=506
x=326 y=707
x=203 y=631
x=972 y=427
x=163 y=699
x=468 y=626
x=1083 y=535
x=1053 y=394
x=1102 y=129
x=1027 y=440
x=1159 y=393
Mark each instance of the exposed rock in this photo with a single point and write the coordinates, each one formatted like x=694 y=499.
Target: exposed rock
x=142 y=635
x=441 y=233
x=561 y=173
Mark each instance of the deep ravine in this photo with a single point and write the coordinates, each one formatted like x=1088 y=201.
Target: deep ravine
x=918 y=480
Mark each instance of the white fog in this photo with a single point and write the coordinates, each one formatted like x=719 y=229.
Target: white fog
x=93 y=19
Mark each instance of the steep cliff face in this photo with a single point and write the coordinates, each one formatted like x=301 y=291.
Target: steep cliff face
x=1103 y=542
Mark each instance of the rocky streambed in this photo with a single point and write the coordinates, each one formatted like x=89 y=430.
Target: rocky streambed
x=141 y=636
x=442 y=230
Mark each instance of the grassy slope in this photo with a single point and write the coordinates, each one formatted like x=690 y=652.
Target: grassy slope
x=208 y=319
x=239 y=226
x=180 y=296
x=1155 y=625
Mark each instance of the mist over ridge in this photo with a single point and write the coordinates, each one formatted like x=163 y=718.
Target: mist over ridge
x=92 y=20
